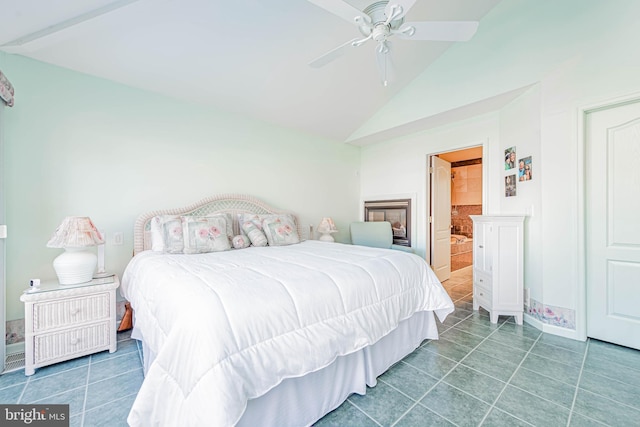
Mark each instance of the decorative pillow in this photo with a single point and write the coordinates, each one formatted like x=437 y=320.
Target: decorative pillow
x=205 y=234
x=255 y=234
x=172 y=235
x=241 y=242
x=228 y=220
x=157 y=229
x=254 y=218
x=280 y=230
x=157 y=233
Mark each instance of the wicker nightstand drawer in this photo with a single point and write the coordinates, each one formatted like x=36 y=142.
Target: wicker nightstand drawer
x=55 y=314
x=63 y=322
x=66 y=344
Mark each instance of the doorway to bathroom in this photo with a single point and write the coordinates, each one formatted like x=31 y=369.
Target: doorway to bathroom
x=451 y=233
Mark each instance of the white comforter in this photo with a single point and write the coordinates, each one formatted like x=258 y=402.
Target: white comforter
x=229 y=326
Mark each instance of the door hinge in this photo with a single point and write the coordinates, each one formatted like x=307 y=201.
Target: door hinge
x=430 y=169
x=430 y=219
x=3 y=231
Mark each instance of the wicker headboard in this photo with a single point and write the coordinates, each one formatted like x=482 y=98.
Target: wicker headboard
x=223 y=203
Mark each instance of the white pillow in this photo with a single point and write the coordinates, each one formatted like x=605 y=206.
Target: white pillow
x=205 y=234
x=157 y=232
x=280 y=230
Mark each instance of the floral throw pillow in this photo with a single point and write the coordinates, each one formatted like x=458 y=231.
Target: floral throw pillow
x=280 y=230
x=254 y=233
x=241 y=242
x=254 y=218
x=172 y=235
x=205 y=234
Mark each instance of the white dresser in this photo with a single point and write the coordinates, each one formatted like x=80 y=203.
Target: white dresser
x=67 y=321
x=498 y=265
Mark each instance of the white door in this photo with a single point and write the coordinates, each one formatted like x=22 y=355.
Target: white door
x=441 y=218
x=613 y=224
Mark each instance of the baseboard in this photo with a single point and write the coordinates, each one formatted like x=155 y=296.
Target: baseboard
x=552 y=329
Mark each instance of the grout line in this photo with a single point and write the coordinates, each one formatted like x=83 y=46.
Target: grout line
x=575 y=394
x=493 y=405
x=86 y=392
x=108 y=403
x=24 y=389
x=458 y=363
x=362 y=410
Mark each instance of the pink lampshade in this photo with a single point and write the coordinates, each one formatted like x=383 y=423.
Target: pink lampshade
x=76 y=264
x=75 y=232
x=327 y=226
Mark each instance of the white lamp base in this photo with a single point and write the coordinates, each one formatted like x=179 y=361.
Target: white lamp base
x=326 y=237
x=74 y=266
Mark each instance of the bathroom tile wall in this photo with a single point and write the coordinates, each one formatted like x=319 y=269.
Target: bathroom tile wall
x=461 y=221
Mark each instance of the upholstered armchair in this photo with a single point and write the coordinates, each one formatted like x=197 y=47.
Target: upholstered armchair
x=377 y=234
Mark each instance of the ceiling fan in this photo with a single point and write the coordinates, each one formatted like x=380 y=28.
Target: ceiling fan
x=383 y=19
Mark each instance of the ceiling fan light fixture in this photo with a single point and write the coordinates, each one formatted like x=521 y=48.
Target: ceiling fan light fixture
x=383 y=19
x=357 y=43
x=407 y=31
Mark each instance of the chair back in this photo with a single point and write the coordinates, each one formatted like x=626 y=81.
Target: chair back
x=376 y=234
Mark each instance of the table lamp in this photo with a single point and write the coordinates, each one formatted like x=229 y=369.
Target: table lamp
x=76 y=264
x=326 y=228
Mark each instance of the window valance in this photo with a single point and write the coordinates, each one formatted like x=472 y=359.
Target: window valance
x=6 y=90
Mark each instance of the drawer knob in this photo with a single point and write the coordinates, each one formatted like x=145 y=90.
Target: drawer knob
x=480 y=246
x=481 y=294
x=480 y=280
x=75 y=311
x=73 y=341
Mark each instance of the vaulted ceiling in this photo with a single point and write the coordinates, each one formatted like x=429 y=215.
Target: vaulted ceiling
x=244 y=56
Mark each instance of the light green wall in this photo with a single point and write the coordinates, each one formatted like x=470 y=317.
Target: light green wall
x=79 y=145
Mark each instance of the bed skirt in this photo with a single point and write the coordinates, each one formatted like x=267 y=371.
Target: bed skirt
x=304 y=400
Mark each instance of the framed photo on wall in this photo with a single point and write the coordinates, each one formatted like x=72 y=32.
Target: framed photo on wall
x=510 y=185
x=510 y=158
x=525 y=169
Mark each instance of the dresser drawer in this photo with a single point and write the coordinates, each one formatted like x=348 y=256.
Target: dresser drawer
x=66 y=344
x=55 y=314
x=482 y=289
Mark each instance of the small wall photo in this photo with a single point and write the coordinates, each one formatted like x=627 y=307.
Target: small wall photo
x=509 y=158
x=525 y=169
x=510 y=185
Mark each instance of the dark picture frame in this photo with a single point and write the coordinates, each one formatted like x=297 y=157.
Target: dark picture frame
x=397 y=212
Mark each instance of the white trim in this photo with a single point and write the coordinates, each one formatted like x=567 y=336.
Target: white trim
x=552 y=329
x=484 y=143
x=582 y=111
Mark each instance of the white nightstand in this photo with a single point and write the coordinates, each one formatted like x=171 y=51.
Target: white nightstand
x=63 y=322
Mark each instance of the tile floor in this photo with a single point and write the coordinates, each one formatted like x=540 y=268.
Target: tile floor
x=99 y=389
x=476 y=374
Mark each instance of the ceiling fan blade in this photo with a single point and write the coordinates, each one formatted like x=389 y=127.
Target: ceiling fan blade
x=342 y=10
x=332 y=54
x=385 y=65
x=453 y=31
x=404 y=5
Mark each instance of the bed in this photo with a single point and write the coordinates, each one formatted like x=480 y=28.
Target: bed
x=267 y=335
